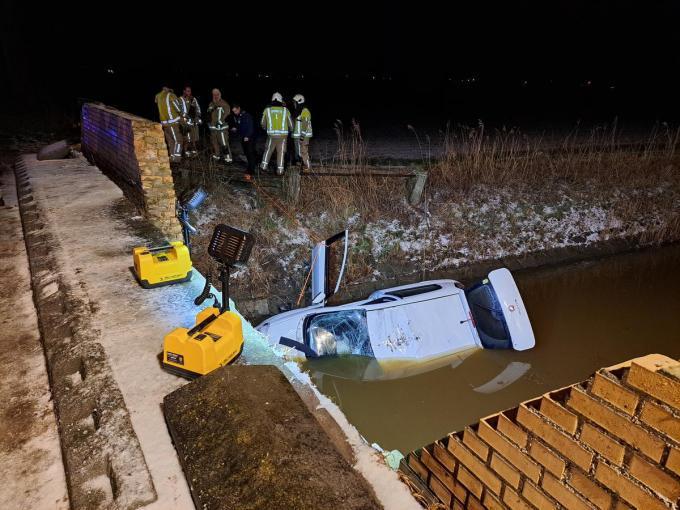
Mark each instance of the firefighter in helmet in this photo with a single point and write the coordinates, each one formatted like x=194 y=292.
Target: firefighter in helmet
x=302 y=129
x=276 y=120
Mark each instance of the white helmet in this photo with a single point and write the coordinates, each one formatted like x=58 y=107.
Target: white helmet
x=299 y=98
x=277 y=97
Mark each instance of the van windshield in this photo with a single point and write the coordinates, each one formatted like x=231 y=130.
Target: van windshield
x=488 y=315
x=338 y=333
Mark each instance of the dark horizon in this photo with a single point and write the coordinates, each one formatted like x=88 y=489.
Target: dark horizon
x=511 y=63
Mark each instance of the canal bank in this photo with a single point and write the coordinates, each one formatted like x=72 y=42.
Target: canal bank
x=145 y=395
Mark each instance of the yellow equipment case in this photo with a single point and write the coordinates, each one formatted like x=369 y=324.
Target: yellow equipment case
x=215 y=340
x=164 y=265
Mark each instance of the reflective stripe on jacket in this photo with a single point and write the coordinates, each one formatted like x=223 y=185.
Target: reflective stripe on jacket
x=276 y=121
x=190 y=109
x=303 y=125
x=168 y=107
x=219 y=110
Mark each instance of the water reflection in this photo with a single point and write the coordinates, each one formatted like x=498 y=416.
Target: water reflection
x=584 y=315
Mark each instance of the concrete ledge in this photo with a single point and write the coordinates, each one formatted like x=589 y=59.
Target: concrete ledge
x=31 y=464
x=105 y=465
x=246 y=440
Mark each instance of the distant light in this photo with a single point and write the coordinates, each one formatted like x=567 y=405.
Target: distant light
x=110 y=71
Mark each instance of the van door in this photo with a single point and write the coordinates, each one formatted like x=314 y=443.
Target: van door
x=329 y=259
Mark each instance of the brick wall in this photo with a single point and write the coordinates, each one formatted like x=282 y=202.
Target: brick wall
x=132 y=152
x=610 y=442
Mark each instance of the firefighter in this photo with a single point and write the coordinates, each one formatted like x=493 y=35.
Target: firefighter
x=219 y=129
x=302 y=129
x=276 y=120
x=171 y=117
x=191 y=114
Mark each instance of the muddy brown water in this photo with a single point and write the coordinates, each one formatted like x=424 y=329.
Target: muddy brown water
x=585 y=316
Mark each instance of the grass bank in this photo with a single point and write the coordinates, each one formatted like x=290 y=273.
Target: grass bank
x=492 y=195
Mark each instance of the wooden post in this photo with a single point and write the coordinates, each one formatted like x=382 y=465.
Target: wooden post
x=291 y=185
x=416 y=186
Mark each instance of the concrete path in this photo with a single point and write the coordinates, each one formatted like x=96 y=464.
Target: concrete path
x=94 y=229
x=93 y=225
x=31 y=467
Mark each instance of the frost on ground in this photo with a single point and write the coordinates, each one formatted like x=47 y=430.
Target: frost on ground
x=448 y=230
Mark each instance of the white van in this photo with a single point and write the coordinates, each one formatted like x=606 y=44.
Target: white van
x=417 y=321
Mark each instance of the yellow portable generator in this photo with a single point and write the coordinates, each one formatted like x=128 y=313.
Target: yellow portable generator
x=171 y=263
x=217 y=337
x=163 y=265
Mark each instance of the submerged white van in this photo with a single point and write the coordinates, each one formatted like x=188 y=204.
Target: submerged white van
x=417 y=321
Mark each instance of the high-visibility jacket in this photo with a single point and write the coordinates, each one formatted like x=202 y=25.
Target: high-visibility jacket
x=276 y=120
x=219 y=110
x=168 y=107
x=303 y=125
x=191 y=111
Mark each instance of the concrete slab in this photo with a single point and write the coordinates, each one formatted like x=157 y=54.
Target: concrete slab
x=84 y=213
x=31 y=466
x=246 y=440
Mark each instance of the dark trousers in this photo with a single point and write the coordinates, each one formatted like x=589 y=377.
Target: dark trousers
x=249 y=151
x=291 y=156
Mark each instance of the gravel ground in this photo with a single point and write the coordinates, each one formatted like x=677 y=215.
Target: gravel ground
x=31 y=466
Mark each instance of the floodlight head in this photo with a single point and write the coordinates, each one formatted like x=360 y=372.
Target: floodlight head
x=192 y=198
x=230 y=246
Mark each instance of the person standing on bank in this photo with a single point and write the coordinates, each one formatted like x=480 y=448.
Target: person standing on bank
x=276 y=120
x=302 y=129
x=219 y=129
x=170 y=116
x=244 y=126
x=191 y=113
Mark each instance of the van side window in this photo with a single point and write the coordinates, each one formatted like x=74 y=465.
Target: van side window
x=414 y=291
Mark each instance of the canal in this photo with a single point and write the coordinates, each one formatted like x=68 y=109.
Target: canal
x=585 y=316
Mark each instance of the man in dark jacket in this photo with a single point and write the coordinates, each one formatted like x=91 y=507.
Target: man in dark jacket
x=244 y=126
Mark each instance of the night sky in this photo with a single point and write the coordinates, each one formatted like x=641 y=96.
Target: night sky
x=522 y=59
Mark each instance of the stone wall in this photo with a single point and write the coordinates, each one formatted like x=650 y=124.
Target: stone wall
x=610 y=442
x=131 y=150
